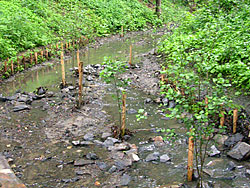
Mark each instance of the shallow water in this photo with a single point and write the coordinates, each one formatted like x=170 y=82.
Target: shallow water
x=40 y=165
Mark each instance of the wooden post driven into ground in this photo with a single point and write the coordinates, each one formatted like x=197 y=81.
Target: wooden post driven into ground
x=123 y=114
x=63 y=70
x=78 y=60
x=122 y=31
x=5 y=65
x=130 y=55
x=235 y=118
x=12 y=67
x=35 y=58
x=31 y=58
x=80 y=68
x=158 y=7
x=190 y=158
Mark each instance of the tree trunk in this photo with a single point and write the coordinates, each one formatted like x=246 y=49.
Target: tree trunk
x=158 y=7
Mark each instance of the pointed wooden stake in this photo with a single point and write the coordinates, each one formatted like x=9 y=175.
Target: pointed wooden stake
x=23 y=61
x=123 y=114
x=66 y=45
x=80 y=68
x=63 y=70
x=31 y=58
x=78 y=60
x=206 y=102
x=35 y=58
x=122 y=31
x=130 y=56
x=222 y=119
x=46 y=54
x=57 y=46
x=62 y=47
x=235 y=118
x=12 y=67
x=5 y=65
x=190 y=158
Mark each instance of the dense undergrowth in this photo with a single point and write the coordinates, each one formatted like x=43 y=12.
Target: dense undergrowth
x=215 y=38
x=25 y=24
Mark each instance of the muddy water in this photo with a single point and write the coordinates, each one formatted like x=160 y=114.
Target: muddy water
x=40 y=162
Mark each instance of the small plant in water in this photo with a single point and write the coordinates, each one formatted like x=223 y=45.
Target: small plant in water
x=141 y=115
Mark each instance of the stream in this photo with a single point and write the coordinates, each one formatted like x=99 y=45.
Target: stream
x=38 y=142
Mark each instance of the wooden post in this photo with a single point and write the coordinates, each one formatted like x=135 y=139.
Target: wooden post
x=78 y=60
x=35 y=58
x=46 y=54
x=69 y=44
x=130 y=57
x=62 y=46
x=122 y=31
x=80 y=68
x=12 y=67
x=235 y=118
x=41 y=54
x=158 y=7
x=63 y=70
x=190 y=158
x=57 y=46
x=222 y=118
x=73 y=44
x=66 y=45
x=5 y=65
x=23 y=61
x=123 y=114
x=206 y=102
x=31 y=58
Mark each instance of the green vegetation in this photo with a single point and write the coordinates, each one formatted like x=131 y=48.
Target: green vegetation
x=25 y=24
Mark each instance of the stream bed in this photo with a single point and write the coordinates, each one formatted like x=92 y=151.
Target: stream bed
x=44 y=144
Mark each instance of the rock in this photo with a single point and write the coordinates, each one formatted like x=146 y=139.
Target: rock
x=92 y=156
x=117 y=155
x=165 y=101
x=106 y=135
x=20 y=108
x=88 y=137
x=147 y=100
x=98 y=142
x=147 y=148
x=71 y=87
x=119 y=147
x=125 y=179
x=112 y=169
x=86 y=143
x=165 y=118
x=81 y=173
x=158 y=139
x=82 y=162
x=41 y=91
x=220 y=139
x=110 y=141
x=214 y=152
x=126 y=137
x=123 y=163
x=50 y=94
x=247 y=172
x=171 y=104
x=152 y=157
x=231 y=166
x=234 y=139
x=134 y=157
x=157 y=100
x=103 y=166
x=90 y=78
x=2 y=99
x=76 y=143
x=165 y=158
x=208 y=172
x=131 y=111
x=240 y=151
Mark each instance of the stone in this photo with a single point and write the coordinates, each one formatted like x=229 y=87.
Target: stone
x=2 y=99
x=134 y=157
x=123 y=163
x=220 y=139
x=76 y=143
x=234 y=139
x=171 y=104
x=157 y=100
x=147 y=148
x=165 y=101
x=88 y=137
x=98 y=142
x=247 y=172
x=208 y=172
x=112 y=169
x=165 y=158
x=214 y=152
x=81 y=173
x=50 y=94
x=82 y=162
x=119 y=147
x=103 y=166
x=152 y=157
x=240 y=151
x=117 y=155
x=20 y=108
x=125 y=179
x=41 y=91
x=92 y=156
x=106 y=135
x=71 y=87
x=147 y=100
x=231 y=166
x=158 y=139
x=131 y=111
x=86 y=143
x=110 y=141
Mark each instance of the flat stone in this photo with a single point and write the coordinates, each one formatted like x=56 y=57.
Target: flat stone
x=86 y=143
x=231 y=166
x=247 y=172
x=208 y=172
x=147 y=148
x=20 y=108
x=3 y=99
x=131 y=111
x=110 y=141
x=134 y=157
x=119 y=147
x=89 y=137
x=82 y=162
x=125 y=180
x=106 y=135
x=240 y=151
x=92 y=156
x=165 y=158
x=112 y=169
x=117 y=155
x=234 y=139
x=103 y=166
x=158 y=139
x=220 y=139
x=165 y=101
x=76 y=143
x=214 y=152
x=122 y=164
x=152 y=157
x=147 y=100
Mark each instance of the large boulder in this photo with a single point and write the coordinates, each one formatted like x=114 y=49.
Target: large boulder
x=234 y=139
x=240 y=151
